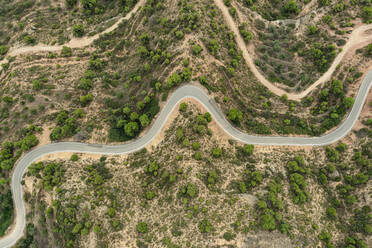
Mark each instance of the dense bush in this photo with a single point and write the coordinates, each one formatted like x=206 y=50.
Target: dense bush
x=67 y=125
x=369 y=50
x=71 y=3
x=296 y=173
x=142 y=227
x=9 y=153
x=78 y=30
x=51 y=174
x=235 y=115
x=247 y=36
x=205 y=226
x=367 y=14
x=3 y=49
x=66 y=51
x=126 y=123
x=322 y=56
x=252 y=178
x=6 y=211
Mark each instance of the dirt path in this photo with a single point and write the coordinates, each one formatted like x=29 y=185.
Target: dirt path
x=307 y=8
x=358 y=38
x=73 y=43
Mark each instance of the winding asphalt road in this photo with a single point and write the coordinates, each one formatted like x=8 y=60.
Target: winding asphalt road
x=180 y=94
x=184 y=92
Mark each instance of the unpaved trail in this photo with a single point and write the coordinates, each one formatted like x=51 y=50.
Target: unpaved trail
x=307 y=8
x=357 y=39
x=73 y=43
x=241 y=44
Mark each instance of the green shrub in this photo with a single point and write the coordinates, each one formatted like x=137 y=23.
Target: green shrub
x=183 y=107
x=216 y=152
x=268 y=222
x=205 y=226
x=331 y=213
x=213 y=47
x=247 y=36
x=3 y=49
x=66 y=51
x=71 y=3
x=228 y=236
x=324 y=2
x=29 y=40
x=179 y=34
x=142 y=227
x=369 y=50
x=235 y=115
x=74 y=157
x=248 y=149
x=325 y=236
x=291 y=7
x=86 y=99
x=195 y=146
x=196 y=49
x=312 y=29
x=78 y=30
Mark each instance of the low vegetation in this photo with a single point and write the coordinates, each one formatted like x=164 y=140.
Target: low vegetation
x=193 y=188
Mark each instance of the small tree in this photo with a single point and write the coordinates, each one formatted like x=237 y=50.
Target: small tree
x=3 y=49
x=331 y=213
x=144 y=120
x=196 y=49
x=195 y=146
x=183 y=107
x=142 y=227
x=291 y=7
x=85 y=100
x=179 y=35
x=66 y=51
x=78 y=30
x=205 y=226
x=235 y=115
x=131 y=128
x=74 y=157
x=216 y=152
x=267 y=222
x=368 y=50
x=248 y=149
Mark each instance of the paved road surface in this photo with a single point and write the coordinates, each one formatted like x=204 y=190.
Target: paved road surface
x=180 y=94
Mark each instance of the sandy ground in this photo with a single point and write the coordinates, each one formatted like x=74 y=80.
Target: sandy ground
x=67 y=156
x=44 y=137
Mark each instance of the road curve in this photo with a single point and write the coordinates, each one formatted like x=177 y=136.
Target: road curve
x=187 y=91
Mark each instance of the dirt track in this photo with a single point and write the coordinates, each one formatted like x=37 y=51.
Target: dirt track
x=358 y=38
x=73 y=43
